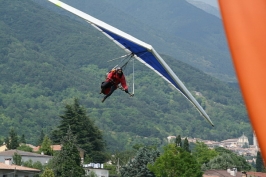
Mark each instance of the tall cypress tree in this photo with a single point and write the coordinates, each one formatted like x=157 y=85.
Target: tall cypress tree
x=186 y=145
x=259 y=162
x=46 y=146
x=41 y=138
x=22 y=139
x=67 y=163
x=178 y=141
x=13 y=140
x=89 y=137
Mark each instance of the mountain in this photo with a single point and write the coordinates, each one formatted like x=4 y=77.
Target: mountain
x=177 y=28
x=48 y=59
x=206 y=7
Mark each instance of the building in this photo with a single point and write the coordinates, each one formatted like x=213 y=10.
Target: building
x=25 y=156
x=243 y=140
x=3 y=148
x=59 y=147
x=255 y=141
x=9 y=170
x=96 y=168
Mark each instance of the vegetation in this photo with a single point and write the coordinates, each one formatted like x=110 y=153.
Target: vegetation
x=138 y=165
x=203 y=154
x=47 y=173
x=12 y=141
x=17 y=159
x=260 y=167
x=24 y=147
x=43 y=70
x=89 y=137
x=31 y=164
x=175 y=161
x=68 y=162
x=227 y=159
x=46 y=148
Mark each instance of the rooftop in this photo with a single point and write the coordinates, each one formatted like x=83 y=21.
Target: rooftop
x=22 y=153
x=4 y=166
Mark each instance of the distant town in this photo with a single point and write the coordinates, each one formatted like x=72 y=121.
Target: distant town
x=240 y=146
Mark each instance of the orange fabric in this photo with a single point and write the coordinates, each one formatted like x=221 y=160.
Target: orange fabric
x=245 y=26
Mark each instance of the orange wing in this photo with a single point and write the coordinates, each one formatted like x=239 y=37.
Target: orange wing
x=245 y=26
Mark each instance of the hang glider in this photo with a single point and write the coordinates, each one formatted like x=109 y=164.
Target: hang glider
x=142 y=51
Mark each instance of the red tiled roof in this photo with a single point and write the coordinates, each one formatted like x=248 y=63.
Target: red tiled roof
x=220 y=173
x=54 y=147
x=260 y=174
x=4 y=166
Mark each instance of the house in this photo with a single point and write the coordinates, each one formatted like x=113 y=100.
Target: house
x=9 y=170
x=25 y=156
x=54 y=148
x=256 y=174
x=59 y=147
x=3 y=148
x=96 y=168
x=223 y=173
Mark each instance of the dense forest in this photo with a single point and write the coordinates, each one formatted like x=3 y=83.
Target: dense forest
x=48 y=60
x=176 y=28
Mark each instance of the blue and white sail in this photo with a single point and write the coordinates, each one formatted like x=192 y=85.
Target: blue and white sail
x=142 y=51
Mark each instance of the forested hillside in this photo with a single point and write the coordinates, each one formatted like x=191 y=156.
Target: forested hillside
x=47 y=60
x=176 y=28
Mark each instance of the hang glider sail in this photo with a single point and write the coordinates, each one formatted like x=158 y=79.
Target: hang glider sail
x=142 y=51
x=244 y=24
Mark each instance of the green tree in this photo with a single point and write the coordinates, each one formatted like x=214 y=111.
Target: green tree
x=175 y=161
x=13 y=139
x=259 y=162
x=203 y=154
x=31 y=164
x=89 y=137
x=67 y=163
x=17 y=159
x=229 y=159
x=46 y=146
x=22 y=139
x=186 y=145
x=37 y=165
x=47 y=173
x=178 y=141
x=137 y=167
x=28 y=163
x=41 y=138
x=24 y=147
x=222 y=161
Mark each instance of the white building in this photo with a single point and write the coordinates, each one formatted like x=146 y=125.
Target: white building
x=95 y=168
x=242 y=141
x=7 y=169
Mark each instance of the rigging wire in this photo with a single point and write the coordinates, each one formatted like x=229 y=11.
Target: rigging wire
x=126 y=58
